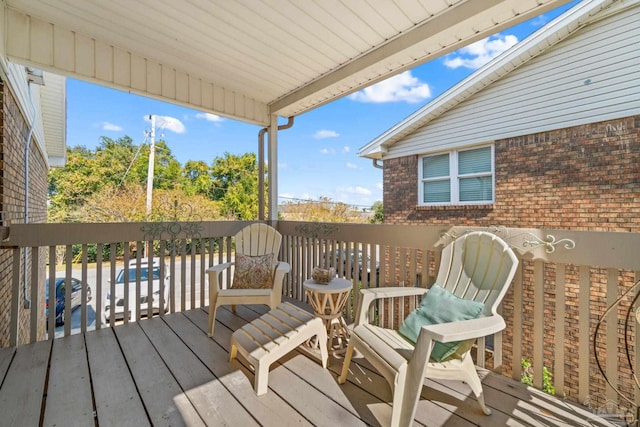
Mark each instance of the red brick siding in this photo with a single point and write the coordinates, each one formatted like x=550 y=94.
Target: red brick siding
x=582 y=178
x=14 y=131
x=586 y=177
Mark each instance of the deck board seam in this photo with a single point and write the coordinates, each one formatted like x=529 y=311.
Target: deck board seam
x=93 y=394
x=135 y=384
x=45 y=386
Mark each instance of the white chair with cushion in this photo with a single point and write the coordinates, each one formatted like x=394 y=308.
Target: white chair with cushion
x=258 y=274
x=435 y=340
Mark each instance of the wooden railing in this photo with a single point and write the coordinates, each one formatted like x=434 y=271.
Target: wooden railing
x=565 y=282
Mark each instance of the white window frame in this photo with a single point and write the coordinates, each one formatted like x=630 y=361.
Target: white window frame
x=454 y=178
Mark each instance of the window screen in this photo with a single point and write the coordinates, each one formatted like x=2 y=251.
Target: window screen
x=475 y=177
x=457 y=177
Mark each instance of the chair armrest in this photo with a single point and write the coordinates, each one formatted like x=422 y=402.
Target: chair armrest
x=281 y=269
x=464 y=329
x=220 y=267
x=214 y=275
x=368 y=296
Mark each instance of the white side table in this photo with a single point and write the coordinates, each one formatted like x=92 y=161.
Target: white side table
x=327 y=302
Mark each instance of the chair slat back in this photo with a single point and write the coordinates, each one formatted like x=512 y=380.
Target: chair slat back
x=258 y=239
x=478 y=266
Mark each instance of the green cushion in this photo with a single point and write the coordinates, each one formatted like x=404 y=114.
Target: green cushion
x=440 y=306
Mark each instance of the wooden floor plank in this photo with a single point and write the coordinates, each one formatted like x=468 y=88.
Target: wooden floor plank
x=117 y=400
x=169 y=372
x=162 y=396
x=317 y=406
x=359 y=402
x=69 y=395
x=269 y=409
x=23 y=387
x=541 y=404
x=428 y=412
x=208 y=395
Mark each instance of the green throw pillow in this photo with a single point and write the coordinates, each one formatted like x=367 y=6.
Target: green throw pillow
x=440 y=306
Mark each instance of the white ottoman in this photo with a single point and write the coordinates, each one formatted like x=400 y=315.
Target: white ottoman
x=274 y=334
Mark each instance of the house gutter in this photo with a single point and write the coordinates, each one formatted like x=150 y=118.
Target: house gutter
x=27 y=150
x=376 y=164
x=261 y=188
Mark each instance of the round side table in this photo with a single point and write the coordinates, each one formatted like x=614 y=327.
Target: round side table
x=327 y=302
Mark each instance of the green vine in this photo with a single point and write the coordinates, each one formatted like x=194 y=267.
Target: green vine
x=526 y=377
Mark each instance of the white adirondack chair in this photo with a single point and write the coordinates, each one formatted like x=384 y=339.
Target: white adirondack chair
x=477 y=266
x=257 y=242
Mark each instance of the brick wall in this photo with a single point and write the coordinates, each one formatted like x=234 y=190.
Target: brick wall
x=582 y=178
x=586 y=178
x=14 y=130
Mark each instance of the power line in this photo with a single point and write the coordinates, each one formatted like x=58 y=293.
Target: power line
x=132 y=161
x=323 y=202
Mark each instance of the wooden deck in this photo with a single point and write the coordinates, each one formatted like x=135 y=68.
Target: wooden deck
x=166 y=371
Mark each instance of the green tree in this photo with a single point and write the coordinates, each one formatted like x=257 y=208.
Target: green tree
x=114 y=163
x=378 y=213
x=196 y=178
x=235 y=185
x=69 y=187
x=109 y=183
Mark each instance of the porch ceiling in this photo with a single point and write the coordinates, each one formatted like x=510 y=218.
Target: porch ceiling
x=247 y=59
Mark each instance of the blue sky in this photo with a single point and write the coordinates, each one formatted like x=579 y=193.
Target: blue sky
x=318 y=155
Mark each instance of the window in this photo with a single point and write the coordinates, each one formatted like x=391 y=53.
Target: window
x=457 y=177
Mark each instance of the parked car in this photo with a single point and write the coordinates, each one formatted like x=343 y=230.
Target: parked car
x=131 y=275
x=76 y=297
x=357 y=260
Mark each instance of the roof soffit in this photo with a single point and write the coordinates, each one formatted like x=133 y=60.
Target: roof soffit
x=291 y=57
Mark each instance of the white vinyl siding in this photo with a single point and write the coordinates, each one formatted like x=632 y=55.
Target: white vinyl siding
x=587 y=78
x=457 y=177
x=50 y=46
x=54 y=117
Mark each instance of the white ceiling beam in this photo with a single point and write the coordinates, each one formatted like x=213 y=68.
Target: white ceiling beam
x=437 y=24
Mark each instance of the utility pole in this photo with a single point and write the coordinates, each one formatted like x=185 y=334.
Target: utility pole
x=152 y=156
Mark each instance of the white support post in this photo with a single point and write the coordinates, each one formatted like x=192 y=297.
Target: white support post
x=272 y=174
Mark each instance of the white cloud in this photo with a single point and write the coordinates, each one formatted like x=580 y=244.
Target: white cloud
x=356 y=190
x=379 y=185
x=346 y=149
x=282 y=165
x=111 y=127
x=327 y=151
x=324 y=133
x=168 y=123
x=403 y=87
x=479 y=53
x=209 y=117
x=539 y=21
x=352 y=165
